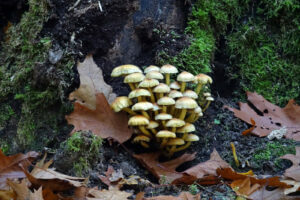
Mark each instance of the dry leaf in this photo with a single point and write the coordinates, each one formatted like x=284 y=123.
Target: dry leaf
x=91 y=83
x=7 y=195
x=36 y=195
x=10 y=166
x=103 y=121
x=295 y=186
x=21 y=189
x=294 y=171
x=269 y=117
x=182 y=196
x=243 y=187
x=55 y=181
x=112 y=194
x=165 y=170
x=264 y=194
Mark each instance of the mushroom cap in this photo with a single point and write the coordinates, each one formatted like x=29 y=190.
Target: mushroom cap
x=161 y=88
x=175 y=94
x=155 y=75
x=175 y=123
x=140 y=138
x=124 y=70
x=152 y=124
x=156 y=107
x=144 y=105
x=138 y=120
x=175 y=141
x=168 y=69
x=186 y=128
x=163 y=116
x=185 y=77
x=120 y=102
x=191 y=138
x=186 y=103
x=165 y=134
x=200 y=114
x=207 y=94
x=134 y=78
x=166 y=101
x=210 y=99
x=203 y=79
x=191 y=94
x=139 y=92
x=175 y=85
x=148 y=83
x=198 y=110
x=151 y=68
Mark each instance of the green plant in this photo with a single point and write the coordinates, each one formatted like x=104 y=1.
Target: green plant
x=193 y=189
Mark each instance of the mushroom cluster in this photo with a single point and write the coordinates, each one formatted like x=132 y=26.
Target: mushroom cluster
x=162 y=111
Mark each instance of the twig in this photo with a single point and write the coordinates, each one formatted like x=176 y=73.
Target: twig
x=100 y=7
x=75 y=4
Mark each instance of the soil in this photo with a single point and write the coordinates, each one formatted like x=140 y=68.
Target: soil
x=124 y=33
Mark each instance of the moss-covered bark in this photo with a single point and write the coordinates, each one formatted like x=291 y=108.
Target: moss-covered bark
x=33 y=107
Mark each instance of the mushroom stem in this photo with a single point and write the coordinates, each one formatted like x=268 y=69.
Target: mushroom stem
x=182 y=114
x=142 y=128
x=160 y=95
x=171 y=151
x=173 y=129
x=198 y=88
x=172 y=110
x=152 y=96
x=184 y=136
x=168 y=79
x=153 y=130
x=131 y=85
x=206 y=106
x=163 y=143
x=140 y=99
x=145 y=114
x=182 y=87
x=191 y=118
x=129 y=111
x=163 y=123
x=182 y=147
x=164 y=109
x=144 y=144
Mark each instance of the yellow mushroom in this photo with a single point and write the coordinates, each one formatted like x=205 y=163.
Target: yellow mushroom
x=149 y=84
x=139 y=94
x=143 y=107
x=175 y=123
x=164 y=102
x=189 y=139
x=140 y=121
x=167 y=70
x=200 y=80
x=185 y=103
x=164 y=135
x=183 y=78
x=134 y=78
x=122 y=103
x=142 y=139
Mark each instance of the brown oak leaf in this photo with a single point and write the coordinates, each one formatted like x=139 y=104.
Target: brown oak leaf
x=269 y=117
x=113 y=193
x=294 y=171
x=91 y=83
x=181 y=196
x=10 y=166
x=277 y=194
x=103 y=121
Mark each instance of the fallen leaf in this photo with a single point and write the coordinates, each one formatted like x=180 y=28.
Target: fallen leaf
x=23 y=192
x=10 y=166
x=203 y=170
x=36 y=195
x=165 y=170
x=294 y=171
x=55 y=181
x=295 y=186
x=108 y=174
x=91 y=83
x=112 y=194
x=182 y=196
x=269 y=117
x=7 y=195
x=243 y=187
x=103 y=121
x=264 y=194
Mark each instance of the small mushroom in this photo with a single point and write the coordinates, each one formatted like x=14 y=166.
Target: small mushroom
x=122 y=103
x=185 y=103
x=151 y=68
x=187 y=128
x=125 y=70
x=191 y=94
x=174 y=94
x=164 y=102
x=167 y=70
x=142 y=139
x=163 y=117
x=143 y=107
x=208 y=99
x=156 y=108
x=175 y=85
x=175 y=123
x=200 y=80
x=173 y=143
x=140 y=121
x=183 y=78
x=164 y=135
x=152 y=126
x=149 y=83
x=155 y=75
x=194 y=115
x=139 y=94
x=160 y=89
x=133 y=78
x=189 y=139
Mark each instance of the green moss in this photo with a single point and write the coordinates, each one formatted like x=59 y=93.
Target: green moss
x=264 y=51
x=272 y=151
x=6 y=112
x=208 y=20
x=85 y=147
x=22 y=51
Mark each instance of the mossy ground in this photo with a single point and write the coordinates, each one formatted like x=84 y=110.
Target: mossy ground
x=23 y=50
